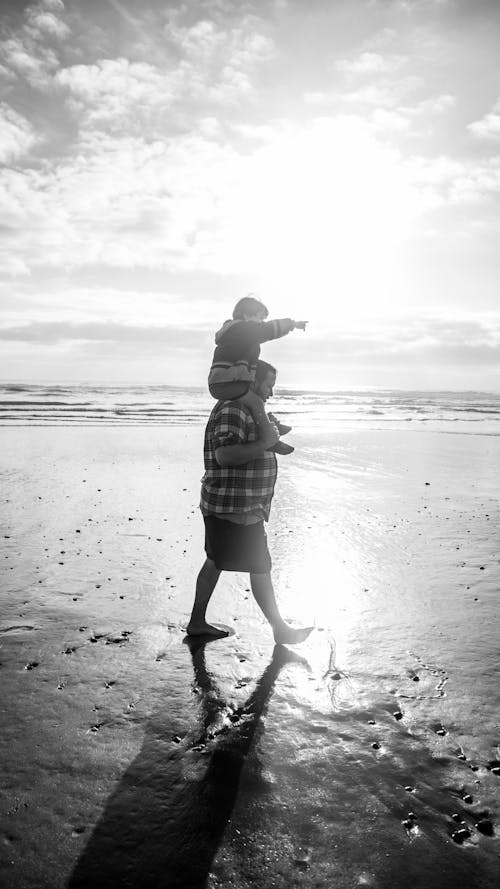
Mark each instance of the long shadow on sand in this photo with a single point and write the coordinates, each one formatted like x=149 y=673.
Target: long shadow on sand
x=165 y=822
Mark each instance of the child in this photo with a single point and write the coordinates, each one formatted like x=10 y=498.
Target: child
x=236 y=355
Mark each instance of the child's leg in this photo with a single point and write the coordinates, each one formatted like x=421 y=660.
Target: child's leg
x=256 y=408
x=258 y=411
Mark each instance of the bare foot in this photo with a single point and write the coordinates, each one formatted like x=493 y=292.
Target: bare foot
x=204 y=629
x=289 y=636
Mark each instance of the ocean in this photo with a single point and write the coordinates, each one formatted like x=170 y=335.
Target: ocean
x=27 y=404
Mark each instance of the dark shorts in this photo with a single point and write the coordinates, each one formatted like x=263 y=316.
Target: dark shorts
x=237 y=547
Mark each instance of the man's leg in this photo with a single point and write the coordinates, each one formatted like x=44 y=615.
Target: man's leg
x=263 y=592
x=205 y=585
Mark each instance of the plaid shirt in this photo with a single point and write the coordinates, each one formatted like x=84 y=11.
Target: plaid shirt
x=247 y=488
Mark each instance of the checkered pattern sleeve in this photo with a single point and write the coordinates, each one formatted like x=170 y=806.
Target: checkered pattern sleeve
x=229 y=426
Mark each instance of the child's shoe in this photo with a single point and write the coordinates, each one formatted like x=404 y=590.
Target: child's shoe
x=281 y=448
x=282 y=429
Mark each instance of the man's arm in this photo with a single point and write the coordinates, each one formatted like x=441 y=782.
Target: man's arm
x=238 y=454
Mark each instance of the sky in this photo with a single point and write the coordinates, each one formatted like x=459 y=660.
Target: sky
x=340 y=159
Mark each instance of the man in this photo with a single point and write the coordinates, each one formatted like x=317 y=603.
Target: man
x=236 y=494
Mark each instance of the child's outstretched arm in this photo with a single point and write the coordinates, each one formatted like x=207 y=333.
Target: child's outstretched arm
x=248 y=333
x=273 y=330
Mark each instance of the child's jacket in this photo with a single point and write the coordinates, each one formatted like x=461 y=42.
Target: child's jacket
x=237 y=348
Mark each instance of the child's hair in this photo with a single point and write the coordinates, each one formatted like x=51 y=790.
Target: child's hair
x=248 y=306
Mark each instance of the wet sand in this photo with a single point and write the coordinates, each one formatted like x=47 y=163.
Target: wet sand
x=368 y=756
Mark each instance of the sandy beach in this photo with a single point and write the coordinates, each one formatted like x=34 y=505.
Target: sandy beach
x=368 y=756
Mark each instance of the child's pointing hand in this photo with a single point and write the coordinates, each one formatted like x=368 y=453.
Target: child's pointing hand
x=301 y=325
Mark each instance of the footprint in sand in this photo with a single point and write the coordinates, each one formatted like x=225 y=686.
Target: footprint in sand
x=410 y=822
x=117 y=640
x=485 y=826
x=460 y=835
x=302 y=858
x=440 y=730
x=17 y=628
x=95 y=728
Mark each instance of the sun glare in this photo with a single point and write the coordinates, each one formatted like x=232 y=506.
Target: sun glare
x=321 y=211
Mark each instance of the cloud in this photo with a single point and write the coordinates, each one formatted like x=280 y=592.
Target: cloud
x=17 y=135
x=31 y=302
x=384 y=93
x=190 y=202
x=133 y=337
x=452 y=181
x=488 y=127
x=408 y=118
x=389 y=114
x=52 y=5
x=29 y=60
x=219 y=61
x=119 y=202
x=380 y=39
x=26 y=52
x=243 y=44
x=117 y=90
x=318 y=97
x=430 y=342
x=40 y=22
x=390 y=120
x=7 y=74
x=208 y=65
x=14 y=266
x=436 y=104
x=433 y=340
x=370 y=63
